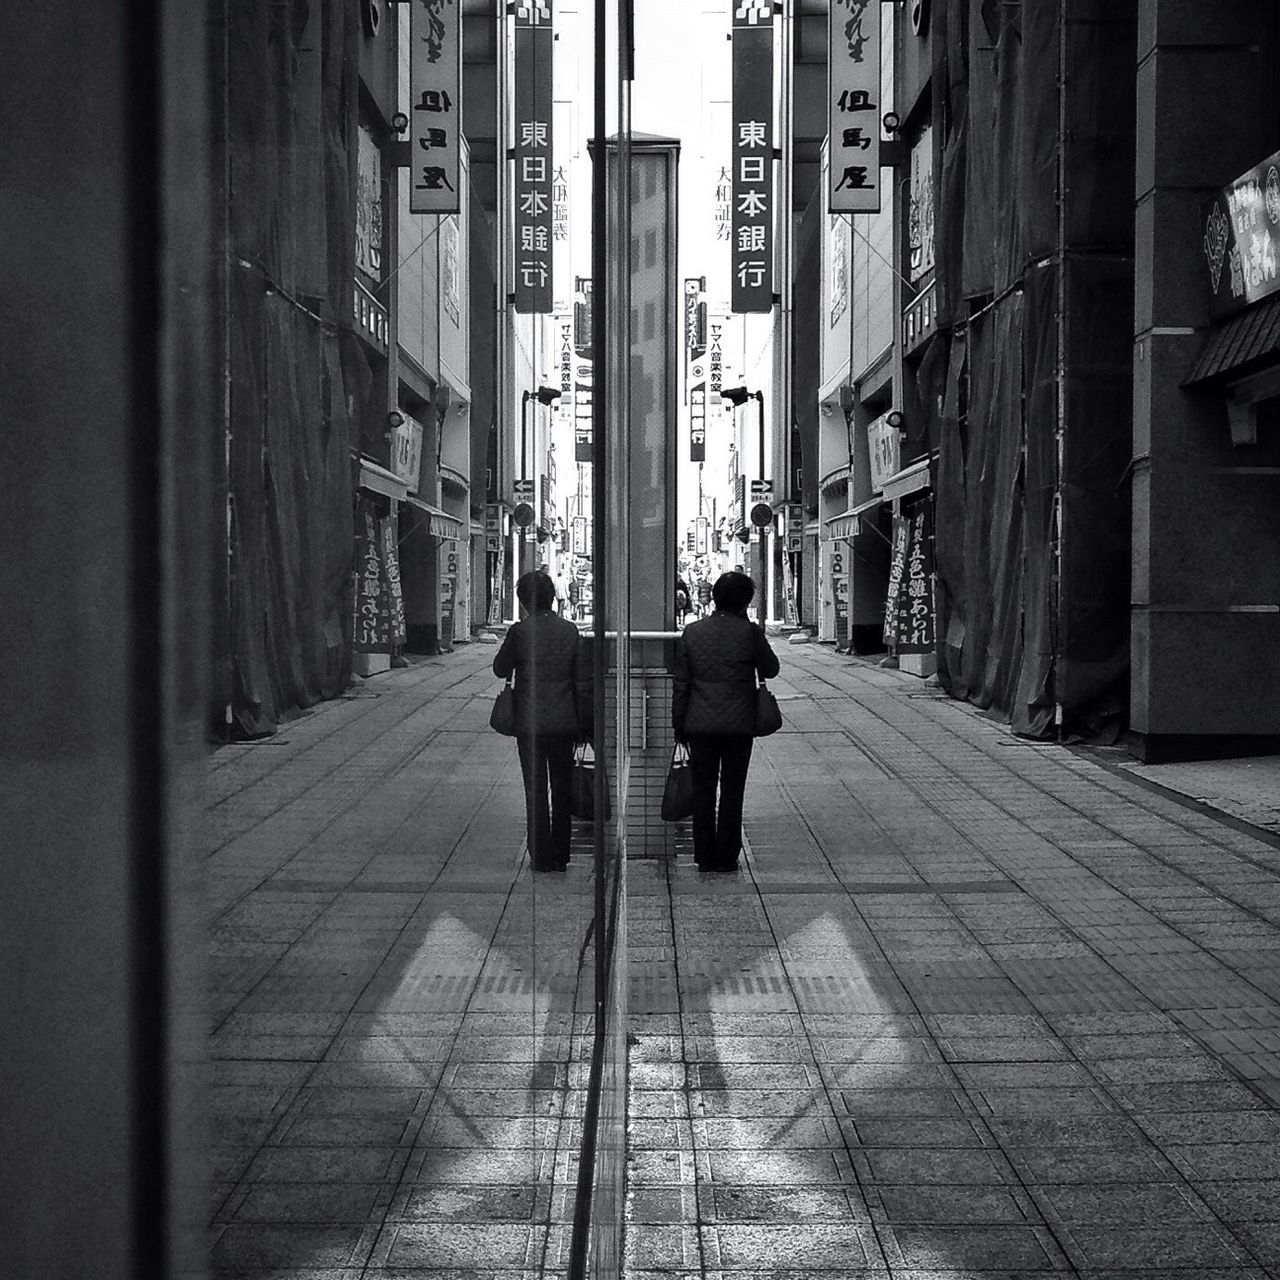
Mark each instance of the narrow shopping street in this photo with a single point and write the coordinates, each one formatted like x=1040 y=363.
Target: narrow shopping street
x=976 y=1007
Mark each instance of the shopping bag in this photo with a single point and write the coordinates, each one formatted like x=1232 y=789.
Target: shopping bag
x=502 y=718
x=768 y=717
x=582 y=799
x=677 y=795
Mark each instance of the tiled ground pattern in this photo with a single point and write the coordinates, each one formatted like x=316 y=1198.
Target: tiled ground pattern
x=399 y=1034
x=977 y=1008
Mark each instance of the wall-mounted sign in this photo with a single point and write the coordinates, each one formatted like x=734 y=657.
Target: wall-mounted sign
x=450 y=269
x=368 y=204
x=839 y=243
x=884 y=450
x=533 y=217
x=435 y=95
x=920 y=208
x=582 y=410
x=1241 y=239
x=751 y=246
x=853 y=105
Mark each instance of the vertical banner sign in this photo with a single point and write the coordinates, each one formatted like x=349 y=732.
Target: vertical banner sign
x=448 y=591
x=897 y=572
x=695 y=351
x=391 y=579
x=372 y=629
x=534 y=175
x=752 y=242
x=435 y=90
x=915 y=618
x=853 y=105
x=582 y=381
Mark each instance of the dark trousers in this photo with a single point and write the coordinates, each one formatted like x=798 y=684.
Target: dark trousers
x=724 y=759
x=547 y=759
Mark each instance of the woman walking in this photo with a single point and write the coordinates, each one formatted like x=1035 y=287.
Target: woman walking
x=553 y=709
x=713 y=710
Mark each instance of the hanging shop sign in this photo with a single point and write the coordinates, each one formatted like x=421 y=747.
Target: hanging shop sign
x=884 y=448
x=853 y=105
x=1241 y=239
x=371 y=630
x=393 y=594
x=435 y=91
x=914 y=614
x=752 y=229
x=698 y=421
x=533 y=220
x=582 y=380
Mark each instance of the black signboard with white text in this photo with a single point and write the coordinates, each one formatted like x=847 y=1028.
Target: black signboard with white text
x=752 y=243
x=534 y=42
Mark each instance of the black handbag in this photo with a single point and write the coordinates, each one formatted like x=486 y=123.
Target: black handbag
x=768 y=717
x=677 y=795
x=582 y=797
x=502 y=719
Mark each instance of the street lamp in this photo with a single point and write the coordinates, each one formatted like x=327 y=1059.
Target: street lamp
x=738 y=396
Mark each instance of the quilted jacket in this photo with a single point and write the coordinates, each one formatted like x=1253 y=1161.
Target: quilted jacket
x=552 y=675
x=717 y=661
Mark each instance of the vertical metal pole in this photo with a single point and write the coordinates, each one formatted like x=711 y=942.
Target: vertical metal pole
x=765 y=608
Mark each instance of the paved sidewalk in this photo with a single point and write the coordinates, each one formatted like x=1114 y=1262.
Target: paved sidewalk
x=399 y=1029
x=977 y=1008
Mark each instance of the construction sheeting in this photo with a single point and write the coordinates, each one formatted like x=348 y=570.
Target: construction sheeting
x=294 y=365
x=1035 y=304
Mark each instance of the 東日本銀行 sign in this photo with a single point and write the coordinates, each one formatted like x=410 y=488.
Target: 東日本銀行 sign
x=751 y=245
x=533 y=216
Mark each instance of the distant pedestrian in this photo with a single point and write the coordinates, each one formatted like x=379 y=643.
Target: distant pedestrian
x=713 y=709
x=682 y=601
x=552 y=702
x=575 y=597
x=704 y=596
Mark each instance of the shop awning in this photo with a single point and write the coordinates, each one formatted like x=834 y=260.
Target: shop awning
x=379 y=480
x=1237 y=342
x=845 y=525
x=909 y=480
x=440 y=524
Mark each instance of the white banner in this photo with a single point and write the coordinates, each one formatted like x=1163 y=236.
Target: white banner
x=435 y=112
x=853 y=105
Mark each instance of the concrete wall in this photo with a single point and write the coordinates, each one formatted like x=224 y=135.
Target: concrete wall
x=1206 y=535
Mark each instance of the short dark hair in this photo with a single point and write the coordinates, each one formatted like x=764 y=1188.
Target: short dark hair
x=536 y=590
x=733 y=591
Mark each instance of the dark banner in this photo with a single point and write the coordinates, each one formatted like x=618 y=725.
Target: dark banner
x=752 y=243
x=914 y=624
x=394 y=596
x=533 y=173
x=372 y=620
x=435 y=89
x=1241 y=239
